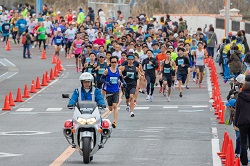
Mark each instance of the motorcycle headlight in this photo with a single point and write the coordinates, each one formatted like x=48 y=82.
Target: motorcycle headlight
x=91 y=121
x=81 y=121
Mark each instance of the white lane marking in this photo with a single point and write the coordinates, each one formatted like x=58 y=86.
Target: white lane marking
x=24 y=133
x=4 y=74
x=215 y=147
x=141 y=108
x=8 y=154
x=169 y=107
x=2 y=63
x=23 y=113
x=9 y=62
x=209 y=85
x=200 y=106
x=190 y=111
x=12 y=75
x=149 y=136
x=151 y=139
x=3 y=113
x=54 y=109
x=24 y=109
x=71 y=65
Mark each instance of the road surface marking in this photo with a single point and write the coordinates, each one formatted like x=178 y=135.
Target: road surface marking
x=4 y=74
x=12 y=75
x=200 y=106
x=9 y=62
x=215 y=147
x=54 y=109
x=141 y=108
x=3 y=113
x=170 y=107
x=24 y=109
x=190 y=111
x=24 y=133
x=8 y=155
x=2 y=63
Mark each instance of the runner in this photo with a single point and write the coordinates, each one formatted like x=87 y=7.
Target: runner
x=58 y=40
x=150 y=64
x=182 y=63
x=6 y=30
x=77 y=48
x=199 y=56
x=110 y=77
x=160 y=57
x=167 y=67
x=41 y=31
x=70 y=34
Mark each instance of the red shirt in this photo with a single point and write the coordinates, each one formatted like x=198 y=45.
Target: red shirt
x=100 y=41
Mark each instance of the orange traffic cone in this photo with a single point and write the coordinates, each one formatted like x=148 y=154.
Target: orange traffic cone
x=224 y=148
x=51 y=74
x=11 y=101
x=223 y=144
x=43 y=56
x=38 y=85
x=33 y=88
x=53 y=59
x=222 y=112
x=237 y=162
x=6 y=106
x=56 y=72
x=26 y=92
x=47 y=76
x=58 y=66
x=19 y=96
x=68 y=56
x=44 y=81
x=8 y=46
x=230 y=154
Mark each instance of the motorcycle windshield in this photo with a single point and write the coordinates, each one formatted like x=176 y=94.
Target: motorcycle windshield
x=86 y=107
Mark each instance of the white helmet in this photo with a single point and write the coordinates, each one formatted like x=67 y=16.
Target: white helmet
x=86 y=77
x=240 y=78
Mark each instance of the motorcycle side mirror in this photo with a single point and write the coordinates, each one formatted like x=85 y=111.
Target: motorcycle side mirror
x=65 y=95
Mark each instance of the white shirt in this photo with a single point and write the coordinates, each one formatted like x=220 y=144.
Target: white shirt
x=142 y=57
x=71 y=34
x=91 y=33
x=199 y=57
x=48 y=25
x=121 y=22
x=31 y=26
x=118 y=54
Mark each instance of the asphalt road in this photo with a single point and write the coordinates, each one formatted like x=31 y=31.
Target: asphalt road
x=161 y=133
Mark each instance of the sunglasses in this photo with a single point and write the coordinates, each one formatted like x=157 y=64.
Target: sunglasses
x=113 y=62
x=101 y=57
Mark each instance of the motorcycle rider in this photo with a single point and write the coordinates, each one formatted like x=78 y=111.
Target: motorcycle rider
x=86 y=91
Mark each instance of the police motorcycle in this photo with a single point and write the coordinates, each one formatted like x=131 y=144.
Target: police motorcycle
x=87 y=131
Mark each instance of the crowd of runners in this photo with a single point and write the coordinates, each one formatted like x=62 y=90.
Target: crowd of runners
x=127 y=56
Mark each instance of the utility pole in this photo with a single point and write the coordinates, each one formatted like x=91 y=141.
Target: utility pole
x=227 y=16
x=39 y=5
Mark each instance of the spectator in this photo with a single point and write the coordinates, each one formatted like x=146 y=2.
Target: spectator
x=245 y=42
x=235 y=64
x=80 y=18
x=91 y=14
x=26 y=45
x=211 y=40
x=182 y=25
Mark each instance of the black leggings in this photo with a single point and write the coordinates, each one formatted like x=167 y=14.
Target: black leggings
x=44 y=43
x=14 y=33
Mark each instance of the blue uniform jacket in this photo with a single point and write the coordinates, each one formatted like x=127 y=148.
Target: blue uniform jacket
x=87 y=96
x=21 y=24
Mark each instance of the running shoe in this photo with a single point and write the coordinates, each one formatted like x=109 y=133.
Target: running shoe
x=151 y=98
x=77 y=70
x=143 y=91
x=164 y=92
x=135 y=104
x=168 y=98
x=197 y=81
x=160 y=90
x=156 y=84
x=194 y=80
x=173 y=87
x=140 y=90
x=180 y=94
x=148 y=97
x=128 y=108
x=114 y=124
x=225 y=80
x=200 y=85
x=132 y=114
x=187 y=87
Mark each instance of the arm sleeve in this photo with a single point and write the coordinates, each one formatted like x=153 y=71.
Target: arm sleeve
x=99 y=98
x=74 y=97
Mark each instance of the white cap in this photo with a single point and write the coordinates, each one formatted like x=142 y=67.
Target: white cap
x=175 y=35
x=141 y=16
x=240 y=78
x=73 y=23
x=131 y=50
x=58 y=29
x=58 y=12
x=34 y=14
x=121 y=26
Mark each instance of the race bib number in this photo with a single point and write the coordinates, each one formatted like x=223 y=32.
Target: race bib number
x=58 y=40
x=91 y=38
x=22 y=25
x=101 y=71
x=7 y=27
x=130 y=75
x=160 y=63
x=90 y=70
x=43 y=32
x=200 y=58
x=180 y=61
x=166 y=70
x=149 y=66
x=78 y=46
x=114 y=80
